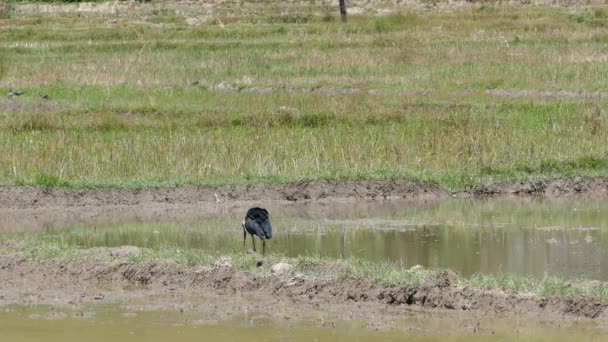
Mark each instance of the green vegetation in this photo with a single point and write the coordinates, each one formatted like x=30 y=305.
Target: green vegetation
x=124 y=113
x=547 y=286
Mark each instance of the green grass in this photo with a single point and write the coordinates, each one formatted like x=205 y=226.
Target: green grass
x=123 y=113
x=547 y=286
x=452 y=144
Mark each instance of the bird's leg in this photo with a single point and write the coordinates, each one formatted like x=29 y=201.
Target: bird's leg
x=244 y=236
x=253 y=241
x=263 y=247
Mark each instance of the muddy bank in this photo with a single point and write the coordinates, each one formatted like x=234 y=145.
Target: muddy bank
x=591 y=186
x=21 y=197
x=224 y=291
x=35 y=197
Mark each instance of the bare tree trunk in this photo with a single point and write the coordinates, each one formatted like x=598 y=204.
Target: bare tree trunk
x=343 y=10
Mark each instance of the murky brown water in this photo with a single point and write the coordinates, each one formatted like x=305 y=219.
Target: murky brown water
x=32 y=325
x=528 y=237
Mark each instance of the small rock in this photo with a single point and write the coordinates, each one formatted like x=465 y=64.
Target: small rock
x=416 y=268
x=225 y=87
x=193 y=21
x=281 y=268
x=223 y=262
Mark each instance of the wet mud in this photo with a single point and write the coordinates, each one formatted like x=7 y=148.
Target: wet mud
x=224 y=291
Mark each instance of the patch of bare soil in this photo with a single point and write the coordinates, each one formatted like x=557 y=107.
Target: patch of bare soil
x=224 y=291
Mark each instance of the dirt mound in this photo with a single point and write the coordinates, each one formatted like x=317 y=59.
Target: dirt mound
x=106 y=280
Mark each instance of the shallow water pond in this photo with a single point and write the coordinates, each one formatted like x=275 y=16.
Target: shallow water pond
x=32 y=324
x=527 y=237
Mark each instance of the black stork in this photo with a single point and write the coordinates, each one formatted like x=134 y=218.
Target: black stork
x=257 y=222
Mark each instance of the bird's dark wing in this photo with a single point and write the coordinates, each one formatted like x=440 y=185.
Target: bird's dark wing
x=255 y=228
x=267 y=228
x=257 y=220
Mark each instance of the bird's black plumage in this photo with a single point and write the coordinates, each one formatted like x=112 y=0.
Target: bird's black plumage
x=257 y=222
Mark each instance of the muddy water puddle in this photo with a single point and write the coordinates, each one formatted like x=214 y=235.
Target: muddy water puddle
x=111 y=323
x=527 y=237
